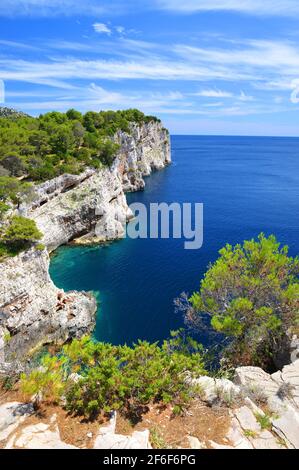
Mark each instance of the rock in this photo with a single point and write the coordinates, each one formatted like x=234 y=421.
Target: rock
x=94 y=210
x=247 y=420
x=287 y=427
x=38 y=436
x=107 y=439
x=11 y=416
x=208 y=387
x=294 y=348
x=42 y=312
x=214 y=445
x=195 y=443
x=217 y=390
x=279 y=390
x=86 y=208
x=138 y=440
x=236 y=436
x=266 y=440
x=147 y=148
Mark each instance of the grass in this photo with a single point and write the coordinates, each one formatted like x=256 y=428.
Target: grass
x=249 y=433
x=264 y=421
x=157 y=439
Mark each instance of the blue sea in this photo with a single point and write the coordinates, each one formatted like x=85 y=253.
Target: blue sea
x=248 y=185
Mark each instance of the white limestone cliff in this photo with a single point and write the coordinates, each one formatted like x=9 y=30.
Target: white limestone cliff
x=89 y=208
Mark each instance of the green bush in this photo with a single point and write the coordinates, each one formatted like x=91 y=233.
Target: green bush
x=46 y=383
x=123 y=378
x=251 y=296
x=20 y=232
x=14 y=190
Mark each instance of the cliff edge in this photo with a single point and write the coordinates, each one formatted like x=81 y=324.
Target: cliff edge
x=87 y=208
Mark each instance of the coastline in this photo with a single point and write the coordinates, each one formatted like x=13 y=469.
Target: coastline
x=68 y=210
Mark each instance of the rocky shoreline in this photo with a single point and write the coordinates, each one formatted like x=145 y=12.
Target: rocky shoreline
x=86 y=208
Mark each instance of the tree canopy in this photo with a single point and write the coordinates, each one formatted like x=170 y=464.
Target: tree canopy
x=41 y=148
x=251 y=294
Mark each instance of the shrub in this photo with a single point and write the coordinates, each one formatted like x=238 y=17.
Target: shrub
x=45 y=383
x=3 y=209
x=14 y=190
x=124 y=378
x=20 y=232
x=251 y=294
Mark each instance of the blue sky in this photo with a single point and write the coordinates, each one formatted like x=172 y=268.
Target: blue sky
x=203 y=66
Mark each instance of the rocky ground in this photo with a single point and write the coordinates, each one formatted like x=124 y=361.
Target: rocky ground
x=254 y=411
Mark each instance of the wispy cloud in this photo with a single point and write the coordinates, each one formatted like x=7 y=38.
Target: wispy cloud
x=227 y=81
x=213 y=94
x=39 y=8
x=18 y=45
x=253 y=7
x=92 y=8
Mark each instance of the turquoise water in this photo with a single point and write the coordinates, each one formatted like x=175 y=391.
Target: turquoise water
x=247 y=185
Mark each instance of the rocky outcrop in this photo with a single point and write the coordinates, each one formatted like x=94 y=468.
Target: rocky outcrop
x=11 y=113
x=38 y=436
x=34 y=311
x=107 y=438
x=15 y=434
x=92 y=208
x=255 y=420
x=147 y=148
x=86 y=208
x=252 y=392
x=12 y=415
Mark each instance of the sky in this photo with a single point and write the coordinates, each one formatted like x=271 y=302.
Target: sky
x=224 y=67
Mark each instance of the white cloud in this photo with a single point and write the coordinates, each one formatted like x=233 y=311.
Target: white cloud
x=214 y=94
x=244 y=97
x=39 y=8
x=254 y=7
x=295 y=92
x=120 y=29
x=101 y=28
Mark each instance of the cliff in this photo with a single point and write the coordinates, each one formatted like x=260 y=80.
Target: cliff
x=90 y=207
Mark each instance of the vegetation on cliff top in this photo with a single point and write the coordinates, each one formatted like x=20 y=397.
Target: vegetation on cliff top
x=251 y=295
x=38 y=149
x=121 y=378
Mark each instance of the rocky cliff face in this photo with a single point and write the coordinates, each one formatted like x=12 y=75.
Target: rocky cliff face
x=90 y=207
x=34 y=311
x=146 y=149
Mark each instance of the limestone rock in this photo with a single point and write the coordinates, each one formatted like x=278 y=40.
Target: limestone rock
x=38 y=436
x=108 y=439
x=217 y=390
x=34 y=310
x=247 y=420
x=89 y=208
x=287 y=427
x=11 y=416
x=195 y=443
x=147 y=148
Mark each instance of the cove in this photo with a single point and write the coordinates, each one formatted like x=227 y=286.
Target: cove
x=248 y=185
